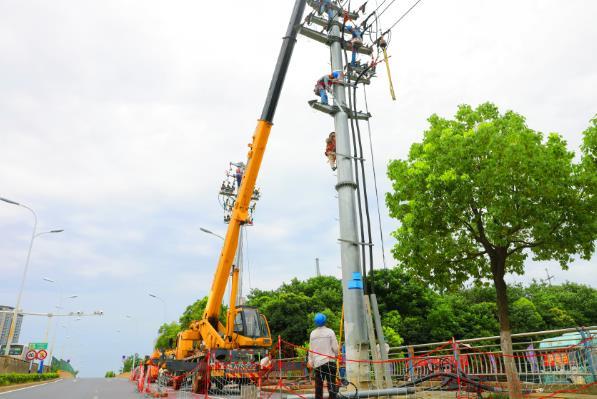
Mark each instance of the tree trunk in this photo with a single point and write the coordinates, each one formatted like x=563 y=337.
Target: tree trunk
x=498 y=265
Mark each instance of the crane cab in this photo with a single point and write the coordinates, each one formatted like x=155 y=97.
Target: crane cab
x=250 y=328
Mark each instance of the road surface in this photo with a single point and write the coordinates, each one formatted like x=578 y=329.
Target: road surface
x=81 y=388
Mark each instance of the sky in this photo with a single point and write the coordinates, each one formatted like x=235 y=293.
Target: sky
x=118 y=120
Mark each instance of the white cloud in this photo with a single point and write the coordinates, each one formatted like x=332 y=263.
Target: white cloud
x=118 y=120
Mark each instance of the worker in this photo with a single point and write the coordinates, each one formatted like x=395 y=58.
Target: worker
x=330 y=149
x=356 y=41
x=323 y=351
x=325 y=6
x=238 y=174
x=324 y=85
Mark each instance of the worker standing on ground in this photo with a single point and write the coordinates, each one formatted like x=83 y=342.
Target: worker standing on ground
x=330 y=149
x=323 y=351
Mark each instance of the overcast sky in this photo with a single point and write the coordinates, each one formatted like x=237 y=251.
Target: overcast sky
x=118 y=120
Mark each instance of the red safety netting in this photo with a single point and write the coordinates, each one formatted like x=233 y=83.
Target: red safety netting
x=450 y=370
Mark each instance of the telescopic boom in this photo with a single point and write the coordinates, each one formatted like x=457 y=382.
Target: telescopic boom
x=240 y=212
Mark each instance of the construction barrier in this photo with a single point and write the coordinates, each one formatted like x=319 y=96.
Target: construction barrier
x=453 y=369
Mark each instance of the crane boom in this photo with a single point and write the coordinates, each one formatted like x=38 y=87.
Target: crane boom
x=240 y=212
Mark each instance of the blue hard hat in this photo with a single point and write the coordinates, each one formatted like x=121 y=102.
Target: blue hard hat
x=336 y=74
x=319 y=319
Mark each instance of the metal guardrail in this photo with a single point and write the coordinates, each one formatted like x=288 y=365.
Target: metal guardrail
x=561 y=359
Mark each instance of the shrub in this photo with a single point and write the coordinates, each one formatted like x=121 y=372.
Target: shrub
x=14 y=378
x=110 y=374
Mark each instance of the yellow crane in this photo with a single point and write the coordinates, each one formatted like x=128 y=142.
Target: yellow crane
x=245 y=327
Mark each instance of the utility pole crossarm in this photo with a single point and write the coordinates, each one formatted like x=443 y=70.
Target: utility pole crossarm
x=325 y=39
x=334 y=109
x=315 y=4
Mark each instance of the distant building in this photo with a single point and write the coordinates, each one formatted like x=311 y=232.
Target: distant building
x=5 y=320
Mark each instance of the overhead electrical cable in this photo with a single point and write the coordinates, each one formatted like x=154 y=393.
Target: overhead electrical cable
x=383 y=250
x=402 y=16
x=385 y=9
x=364 y=178
x=355 y=158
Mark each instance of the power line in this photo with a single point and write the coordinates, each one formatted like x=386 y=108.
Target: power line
x=386 y=9
x=383 y=250
x=402 y=16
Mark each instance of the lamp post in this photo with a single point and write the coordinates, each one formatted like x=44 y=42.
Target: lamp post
x=211 y=232
x=237 y=260
x=13 y=323
x=59 y=307
x=161 y=300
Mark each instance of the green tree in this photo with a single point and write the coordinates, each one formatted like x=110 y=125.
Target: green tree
x=478 y=195
x=392 y=337
x=127 y=365
x=577 y=301
x=290 y=308
x=288 y=315
x=558 y=318
x=525 y=317
x=167 y=334
x=399 y=289
x=195 y=312
x=480 y=319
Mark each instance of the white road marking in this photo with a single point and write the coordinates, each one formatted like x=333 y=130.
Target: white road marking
x=33 y=386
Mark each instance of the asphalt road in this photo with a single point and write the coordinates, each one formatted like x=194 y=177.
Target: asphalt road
x=81 y=388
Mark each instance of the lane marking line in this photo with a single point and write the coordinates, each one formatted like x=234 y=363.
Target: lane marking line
x=33 y=386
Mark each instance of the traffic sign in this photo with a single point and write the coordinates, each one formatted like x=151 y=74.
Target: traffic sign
x=31 y=355
x=42 y=354
x=38 y=345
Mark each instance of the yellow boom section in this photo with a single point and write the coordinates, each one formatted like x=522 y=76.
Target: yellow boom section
x=240 y=213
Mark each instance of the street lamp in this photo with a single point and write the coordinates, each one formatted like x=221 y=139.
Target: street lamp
x=161 y=300
x=211 y=232
x=53 y=343
x=13 y=323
